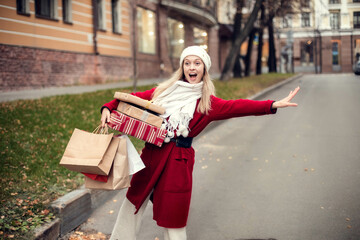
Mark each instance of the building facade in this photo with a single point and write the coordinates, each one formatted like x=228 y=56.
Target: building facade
x=322 y=37
x=70 y=42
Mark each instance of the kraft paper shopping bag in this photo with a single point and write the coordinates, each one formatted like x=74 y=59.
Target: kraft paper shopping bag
x=119 y=174
x=90 y=152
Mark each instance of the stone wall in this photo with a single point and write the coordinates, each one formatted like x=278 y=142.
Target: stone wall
x=29 y=68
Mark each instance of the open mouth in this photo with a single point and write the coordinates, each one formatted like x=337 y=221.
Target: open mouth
x=192 y=76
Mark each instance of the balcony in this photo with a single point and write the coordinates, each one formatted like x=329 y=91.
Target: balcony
x=200 y=10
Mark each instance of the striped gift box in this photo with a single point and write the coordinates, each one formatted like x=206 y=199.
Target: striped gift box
x=136 y=128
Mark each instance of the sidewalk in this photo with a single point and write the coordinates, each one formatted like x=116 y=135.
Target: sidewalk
x=53 y=91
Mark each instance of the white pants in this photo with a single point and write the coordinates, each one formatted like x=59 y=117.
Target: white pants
x=128 y=224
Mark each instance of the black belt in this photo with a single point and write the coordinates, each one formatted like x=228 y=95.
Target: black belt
x=182 y=142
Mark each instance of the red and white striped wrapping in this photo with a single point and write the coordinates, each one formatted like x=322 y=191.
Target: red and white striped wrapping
x=137 y=128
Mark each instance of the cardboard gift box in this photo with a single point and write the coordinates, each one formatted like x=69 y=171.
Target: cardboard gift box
x=137 y=128
x=139 y=101
x=140 y=114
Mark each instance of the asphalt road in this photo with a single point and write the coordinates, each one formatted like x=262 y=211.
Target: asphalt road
x=290 y=176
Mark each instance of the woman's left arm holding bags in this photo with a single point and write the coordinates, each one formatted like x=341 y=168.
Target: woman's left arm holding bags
x=112 y=105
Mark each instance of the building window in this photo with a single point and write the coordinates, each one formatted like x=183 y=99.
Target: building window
x=23 y=7
x=356 y=19
x=334 y=1
x=46 y=9
x=335 y=53
x=116 y=16
x=101 y=15
x=335 y=20
x=356 y=0
x=67 y=10
x=287 y=21
x=146 y=31
x=176 y=37
x=307 y=53
x=201 y=38
x=305 y=19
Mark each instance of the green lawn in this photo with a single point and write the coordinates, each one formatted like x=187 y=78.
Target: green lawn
x=34 y=134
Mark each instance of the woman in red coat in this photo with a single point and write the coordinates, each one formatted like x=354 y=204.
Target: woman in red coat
x=190 y=103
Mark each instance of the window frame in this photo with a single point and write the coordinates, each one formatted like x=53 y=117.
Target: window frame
x=287 y=21
x=140 y=28
x=357 y=24
x=338 y=53
x=101 y=15
x=67 y=11
x=23 y=7
x=174 y=50
x=305 y=21
x=205 y=46
x=334 y=22
x=307 y=47
x=52 y=10
x=116 y=16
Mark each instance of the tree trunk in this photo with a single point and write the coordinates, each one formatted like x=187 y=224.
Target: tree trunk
x=272 y=51
x=237 y=67
x=249 y=51
x=260 y=45
x=235 y=48
x=237 y=30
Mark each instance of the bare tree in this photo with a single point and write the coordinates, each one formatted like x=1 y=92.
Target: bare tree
x=260 y=45
x=239 y=39
x=236 y=32
x=249 y=51
x=277 y=8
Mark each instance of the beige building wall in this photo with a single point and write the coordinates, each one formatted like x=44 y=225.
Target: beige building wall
x=77 y=36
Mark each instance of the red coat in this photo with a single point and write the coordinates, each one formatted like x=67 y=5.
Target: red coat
x=168 y=171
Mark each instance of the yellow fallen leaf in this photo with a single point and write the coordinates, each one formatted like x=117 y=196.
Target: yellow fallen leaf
x=255 y=159
x=349 y=226
x=347 y=219
x=111 y=212
x=114 y=200
x=204 y=167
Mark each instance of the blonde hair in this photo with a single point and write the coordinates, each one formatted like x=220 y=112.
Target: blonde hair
x=208 y=89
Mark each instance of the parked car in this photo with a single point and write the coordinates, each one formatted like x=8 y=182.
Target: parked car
x=357 y=68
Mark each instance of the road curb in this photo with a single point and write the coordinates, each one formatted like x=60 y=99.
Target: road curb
x=71 y=210
x=75 y=207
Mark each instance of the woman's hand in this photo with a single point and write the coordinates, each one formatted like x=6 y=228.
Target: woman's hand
x=286 y=102
x=105 y=116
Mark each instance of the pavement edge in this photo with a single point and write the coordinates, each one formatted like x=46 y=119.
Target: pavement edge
x=75 y=207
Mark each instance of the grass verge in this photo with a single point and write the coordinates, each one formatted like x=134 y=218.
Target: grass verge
x=34 y=134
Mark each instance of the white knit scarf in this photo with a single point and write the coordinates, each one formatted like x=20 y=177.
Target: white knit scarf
x=179 y=100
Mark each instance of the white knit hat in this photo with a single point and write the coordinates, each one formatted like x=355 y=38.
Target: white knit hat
x=196 y=51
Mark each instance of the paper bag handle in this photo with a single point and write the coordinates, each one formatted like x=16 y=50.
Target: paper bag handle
x=101 y=130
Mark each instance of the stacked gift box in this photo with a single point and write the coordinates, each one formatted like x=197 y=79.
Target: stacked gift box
x=139 y=118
